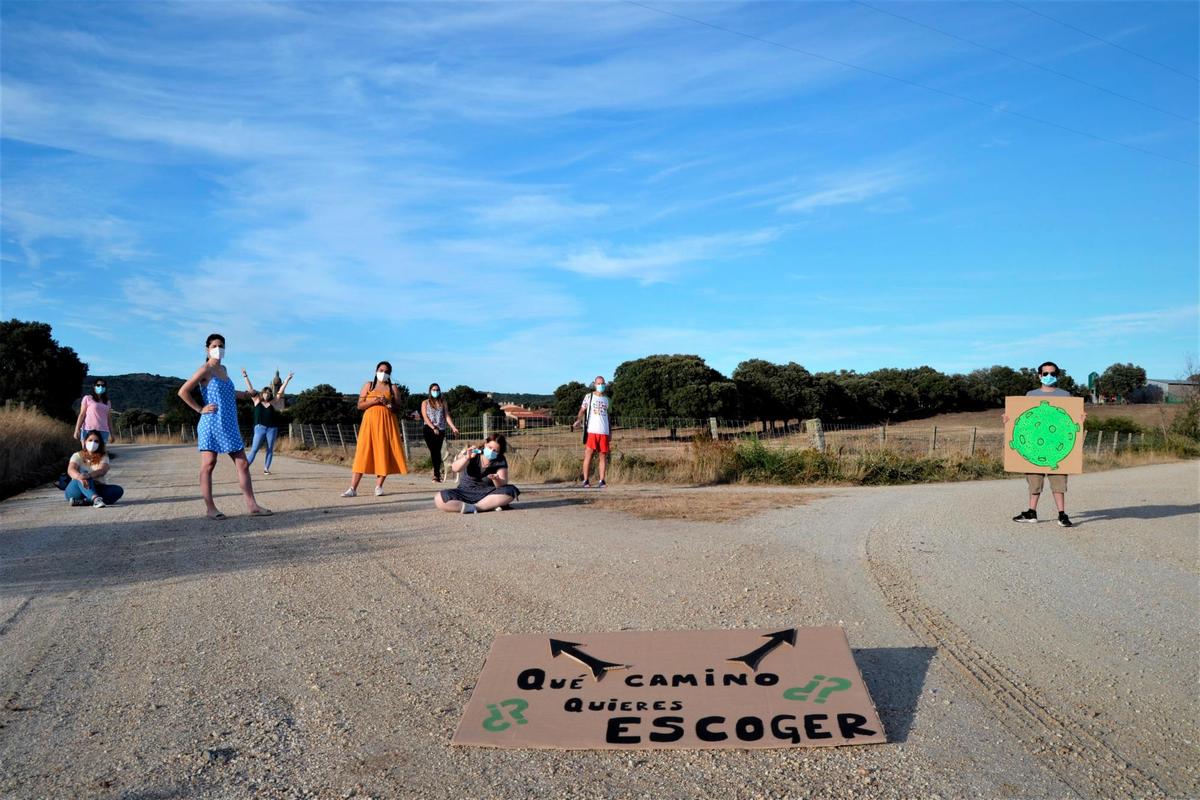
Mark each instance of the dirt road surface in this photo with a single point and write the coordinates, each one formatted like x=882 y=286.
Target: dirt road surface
x=328 y=651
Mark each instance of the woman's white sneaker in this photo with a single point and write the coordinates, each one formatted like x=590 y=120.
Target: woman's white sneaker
x=349 y=493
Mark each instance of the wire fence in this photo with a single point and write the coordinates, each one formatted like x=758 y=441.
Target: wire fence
x=662 y=440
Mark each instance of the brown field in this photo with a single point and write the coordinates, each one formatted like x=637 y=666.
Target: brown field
x=1153 y=415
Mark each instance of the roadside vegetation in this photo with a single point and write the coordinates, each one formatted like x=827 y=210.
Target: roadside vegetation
x=33 y=448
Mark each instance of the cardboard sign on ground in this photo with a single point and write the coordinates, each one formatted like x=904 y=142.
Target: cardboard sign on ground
x=797 y=687
x=1044 y=434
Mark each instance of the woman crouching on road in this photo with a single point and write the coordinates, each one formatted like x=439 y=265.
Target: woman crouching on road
x=86 y=467
x=483 y=480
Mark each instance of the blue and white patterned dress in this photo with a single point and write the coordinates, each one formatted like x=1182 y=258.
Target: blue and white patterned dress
x=219 y=431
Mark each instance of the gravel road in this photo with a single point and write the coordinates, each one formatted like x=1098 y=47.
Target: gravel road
x=328 y=651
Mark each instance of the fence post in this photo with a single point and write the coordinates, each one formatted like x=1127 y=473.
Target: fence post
x=932 y=440
x=973 y=432
x=1143 y=440
x=487 y=425
x=712 y=427
x=404 y=439
x=1099 y=439
x=882 y=436
x=325 y=433
x=817 y=430
x=341 y=441
x=291 y=432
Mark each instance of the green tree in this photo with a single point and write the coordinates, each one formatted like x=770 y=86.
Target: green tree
x=567 y=399
x=467 y=405
x=758 y=383
x=773 y=392
x=133 y=418
x=323 y=404
x=37 y=370
x=672 y=388
x=178 y=412
x=1122 y=380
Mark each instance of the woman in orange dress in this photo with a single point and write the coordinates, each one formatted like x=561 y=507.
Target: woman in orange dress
x=380 y=450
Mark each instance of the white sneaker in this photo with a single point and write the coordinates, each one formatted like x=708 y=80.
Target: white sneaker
x=266 y=472
x=379 y=491
x=98 y=501
x=468 y=508
x=349 y=493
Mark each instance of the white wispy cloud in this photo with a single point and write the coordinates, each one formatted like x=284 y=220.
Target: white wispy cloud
x=846 y=190
x=662 y=260
x=538 y=209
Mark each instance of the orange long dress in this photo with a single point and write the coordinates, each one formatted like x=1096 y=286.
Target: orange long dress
x=380 y=449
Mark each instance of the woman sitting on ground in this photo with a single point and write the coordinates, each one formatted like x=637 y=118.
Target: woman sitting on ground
x=483 y=480
x=86 y=467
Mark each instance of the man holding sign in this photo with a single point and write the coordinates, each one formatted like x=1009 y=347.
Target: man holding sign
x=1048 y=376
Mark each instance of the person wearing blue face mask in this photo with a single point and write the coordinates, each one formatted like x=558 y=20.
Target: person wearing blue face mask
x=598 y=431
x=483 y=480
x=1048 y=378
x=435 y=415
x=95 y=413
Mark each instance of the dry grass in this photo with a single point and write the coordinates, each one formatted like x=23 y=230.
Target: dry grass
x=701 y=505
x=1129 y=458
x=33 y=448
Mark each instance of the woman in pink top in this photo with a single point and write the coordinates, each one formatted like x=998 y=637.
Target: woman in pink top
x=95 y=413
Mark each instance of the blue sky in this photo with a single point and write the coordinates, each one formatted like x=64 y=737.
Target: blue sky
x=516 y=195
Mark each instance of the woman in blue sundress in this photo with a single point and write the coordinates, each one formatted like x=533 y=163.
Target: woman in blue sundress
x=218 y=430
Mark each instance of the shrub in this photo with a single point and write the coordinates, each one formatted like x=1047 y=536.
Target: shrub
x=1187 y=421
x=33 y=448
x=1113 y=425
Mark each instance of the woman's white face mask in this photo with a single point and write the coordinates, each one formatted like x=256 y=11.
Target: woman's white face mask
x=92 y=446
x=216 y=353
x=383 y=377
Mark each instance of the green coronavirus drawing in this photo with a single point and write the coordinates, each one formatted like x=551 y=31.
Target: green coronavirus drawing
x=1044 y=435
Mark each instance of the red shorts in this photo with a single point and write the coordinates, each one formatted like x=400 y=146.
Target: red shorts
x=597 y=441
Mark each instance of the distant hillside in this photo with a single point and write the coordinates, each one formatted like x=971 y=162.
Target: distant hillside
x=137 y=390
x=524 y=399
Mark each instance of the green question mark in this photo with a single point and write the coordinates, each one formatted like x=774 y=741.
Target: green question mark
x=802 y=692
x=495 y=723
x=839 y=685
x=518 y=706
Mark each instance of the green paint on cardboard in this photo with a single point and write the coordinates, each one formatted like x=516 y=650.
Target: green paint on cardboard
x=1044 y=435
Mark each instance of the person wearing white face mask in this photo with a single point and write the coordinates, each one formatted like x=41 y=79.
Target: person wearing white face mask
x=380 y=450
x=1048 y=378
x=597 y=430
x=483 y=480
x=218 y=431
x=86 y=467
x=95 y=413
x=436 y=416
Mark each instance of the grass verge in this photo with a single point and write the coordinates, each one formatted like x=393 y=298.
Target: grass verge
x=708 y=462
x=33 y=449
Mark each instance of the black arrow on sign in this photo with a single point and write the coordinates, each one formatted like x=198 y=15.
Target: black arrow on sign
x=752 y=658
x=571 y=649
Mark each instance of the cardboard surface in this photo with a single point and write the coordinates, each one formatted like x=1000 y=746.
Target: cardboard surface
x=1044 y=434
x=633 y=690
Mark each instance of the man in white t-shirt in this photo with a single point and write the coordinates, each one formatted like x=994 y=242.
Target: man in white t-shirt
x=599 y=433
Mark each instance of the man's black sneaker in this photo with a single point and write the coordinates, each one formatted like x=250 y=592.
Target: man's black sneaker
x=1064 y=521
x=1026 y=516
